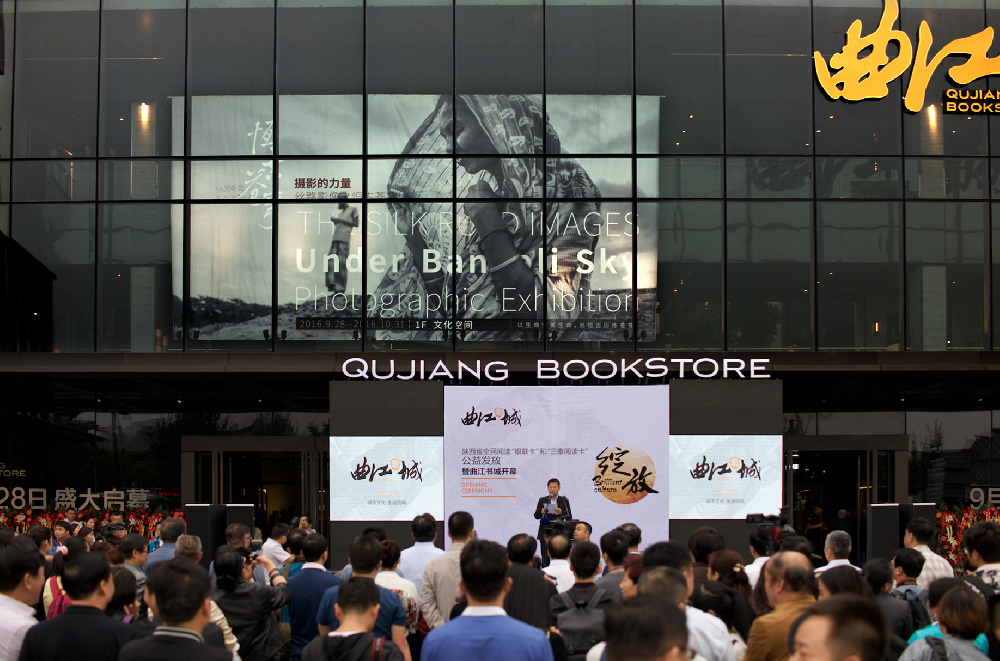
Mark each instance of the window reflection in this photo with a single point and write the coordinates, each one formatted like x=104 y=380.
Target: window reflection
x=230 y=277
x=679 y=176
x=769 y=60
x=54 y=181
x=769 y=177
x=859 y=178
x=139 y=281
x=320 y=78
x=55 y=90
x=676 y=44
x=142 y=68
x=947 y=178
x=63 y=238
x=945 y=259
x=688 y=313
x=231 y=79
x=769 y=255
x=857 y=269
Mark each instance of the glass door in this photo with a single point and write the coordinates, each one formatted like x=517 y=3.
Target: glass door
x=831 y=490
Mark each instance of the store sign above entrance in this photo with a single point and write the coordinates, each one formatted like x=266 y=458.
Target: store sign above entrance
x=575 y=369
x=855 y=77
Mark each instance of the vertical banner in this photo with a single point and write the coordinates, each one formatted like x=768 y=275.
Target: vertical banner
x=608 y=447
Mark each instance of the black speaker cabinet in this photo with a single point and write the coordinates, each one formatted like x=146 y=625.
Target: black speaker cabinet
x=884 y=536
x=209 y=523
x=240 y=514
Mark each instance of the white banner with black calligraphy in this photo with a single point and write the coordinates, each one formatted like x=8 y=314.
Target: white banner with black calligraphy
x=385 y=478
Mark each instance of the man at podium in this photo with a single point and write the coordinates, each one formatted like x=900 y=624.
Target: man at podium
x=554 y=508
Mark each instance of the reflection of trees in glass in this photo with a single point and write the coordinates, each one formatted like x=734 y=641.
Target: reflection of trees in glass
x=277 y=423
x=754 y=324
x=795 y=425
x=827 y=171
x=321 y=430
x=922 y=454
x=778 y=175
x=159 y=467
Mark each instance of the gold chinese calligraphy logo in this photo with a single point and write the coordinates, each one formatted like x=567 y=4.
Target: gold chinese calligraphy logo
x=624 y=474
x=853 y=76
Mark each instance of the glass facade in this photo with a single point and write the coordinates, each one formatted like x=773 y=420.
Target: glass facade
x=550 y=175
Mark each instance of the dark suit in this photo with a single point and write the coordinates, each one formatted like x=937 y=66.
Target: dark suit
x=897 y=615
x=562 y=502
x=212 y=634
x=528 y=599
x=172 y=644
x=60 y=637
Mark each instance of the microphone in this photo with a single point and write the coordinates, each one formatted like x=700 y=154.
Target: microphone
x=545 y=521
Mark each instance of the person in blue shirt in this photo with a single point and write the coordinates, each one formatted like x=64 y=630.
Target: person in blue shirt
x=484 y=631
x=308 y=586
x=365 y=554
x=935 y=594
x=170 y=530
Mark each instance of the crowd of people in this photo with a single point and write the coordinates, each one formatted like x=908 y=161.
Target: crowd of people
x=74 y=592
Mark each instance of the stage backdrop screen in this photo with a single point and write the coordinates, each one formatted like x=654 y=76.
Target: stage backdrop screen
x=386 y=478
x=608 y=446
x=724 y=477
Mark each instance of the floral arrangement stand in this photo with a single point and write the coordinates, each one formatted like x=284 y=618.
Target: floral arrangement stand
x=953 y=522
x=142 y=522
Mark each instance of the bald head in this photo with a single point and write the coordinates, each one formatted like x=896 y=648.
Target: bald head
x=789 y=575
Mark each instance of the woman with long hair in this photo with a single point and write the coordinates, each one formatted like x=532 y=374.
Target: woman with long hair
x=124 y=604
x=758 y=597
x=250 y=607
x=842 y=580
x=388 y=578
x=728 y=568
x=729 y=605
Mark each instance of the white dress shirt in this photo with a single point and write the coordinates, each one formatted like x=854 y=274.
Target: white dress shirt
x=559 y=570
x=935 y=567
x=413 y=560
x=840 y=562
x=753 y=569
x=483 y=611
x=272 y=549
x=390 y=580
x=15 y=620
x=708 y=635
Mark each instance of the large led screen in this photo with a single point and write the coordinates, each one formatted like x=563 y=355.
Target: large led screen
x=608 y=447
x=386 y=478
x=724 y=477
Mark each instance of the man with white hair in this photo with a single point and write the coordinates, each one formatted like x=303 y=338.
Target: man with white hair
x=836 y=550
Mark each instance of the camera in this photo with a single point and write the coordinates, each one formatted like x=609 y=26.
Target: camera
x=560 y=528
x=108 y=533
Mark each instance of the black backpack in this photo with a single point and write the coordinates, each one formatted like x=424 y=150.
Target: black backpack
x=376 y=649
x=918 y=607
x=581 y=624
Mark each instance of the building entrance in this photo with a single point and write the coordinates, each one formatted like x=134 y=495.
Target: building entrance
x=282 y=477
x=831 y=489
